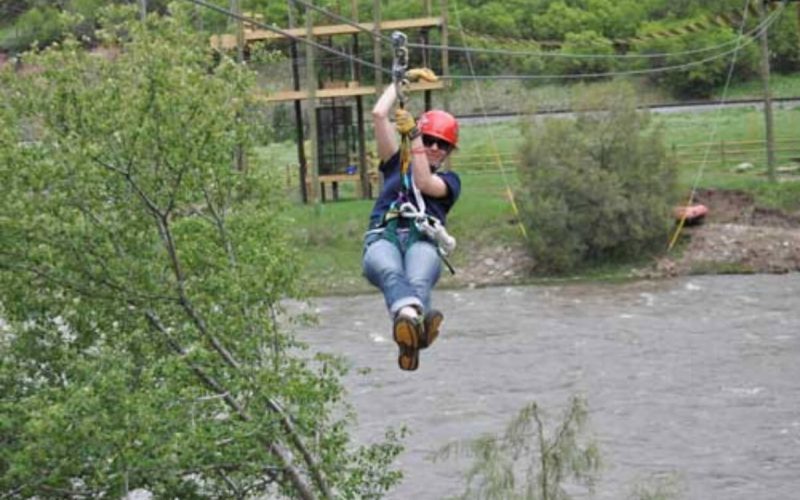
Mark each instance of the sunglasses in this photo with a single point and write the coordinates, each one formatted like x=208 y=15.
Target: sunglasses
x=429 y=141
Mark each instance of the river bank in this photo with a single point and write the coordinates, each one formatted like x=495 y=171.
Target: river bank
x=736 y=237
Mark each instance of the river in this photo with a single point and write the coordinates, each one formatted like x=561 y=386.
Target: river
x=695 y=379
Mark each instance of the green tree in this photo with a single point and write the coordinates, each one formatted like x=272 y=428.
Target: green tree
x=561 y=19
x=589 y=44
x=596 y=188
x=544 y=458
x=692 y=80
x=784 y=44
x=141 y=278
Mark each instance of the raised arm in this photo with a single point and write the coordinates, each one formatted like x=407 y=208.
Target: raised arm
x=425 y=180
x=385 y=134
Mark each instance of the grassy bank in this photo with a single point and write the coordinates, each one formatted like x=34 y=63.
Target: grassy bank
x=329 y=235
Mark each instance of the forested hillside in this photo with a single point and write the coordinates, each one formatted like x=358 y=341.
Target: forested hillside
x=524 y=36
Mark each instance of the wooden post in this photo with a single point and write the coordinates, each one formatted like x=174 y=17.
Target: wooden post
x=723 y=153
x=377 y=57
x=238 y=150
x=298 y=111
x=143 y=10
x=311 y=84
x=426 y=62
x=362 y=148
x=768 y=118
x=236 y=8
x=426 y=54
x=445 y=63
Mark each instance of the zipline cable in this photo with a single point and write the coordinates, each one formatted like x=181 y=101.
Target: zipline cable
x=609 y=74
x=477 y=50
x=554 y=55
x=712 y=135
x=286 y=34
x=492 y=139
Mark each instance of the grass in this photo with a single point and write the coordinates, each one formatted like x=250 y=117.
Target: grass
x=496 y=96
x=329 y=235
x=6 y=32
x=780 y=86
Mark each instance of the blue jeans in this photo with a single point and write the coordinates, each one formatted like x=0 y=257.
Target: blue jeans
x=405 y=275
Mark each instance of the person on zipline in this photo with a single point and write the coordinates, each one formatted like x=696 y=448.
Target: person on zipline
x=406 y=240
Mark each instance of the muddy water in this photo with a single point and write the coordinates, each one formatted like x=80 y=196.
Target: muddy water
x=697 y=379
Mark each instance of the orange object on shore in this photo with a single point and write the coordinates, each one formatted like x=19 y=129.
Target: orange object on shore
x=692 y=213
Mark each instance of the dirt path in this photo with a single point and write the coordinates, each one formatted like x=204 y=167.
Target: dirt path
x=738 y=237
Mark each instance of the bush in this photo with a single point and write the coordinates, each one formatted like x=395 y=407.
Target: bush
x=598 y=187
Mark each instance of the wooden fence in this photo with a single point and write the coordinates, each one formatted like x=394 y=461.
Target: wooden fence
x=732 y=153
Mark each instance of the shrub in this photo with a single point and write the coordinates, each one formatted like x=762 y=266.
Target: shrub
x=597 y=187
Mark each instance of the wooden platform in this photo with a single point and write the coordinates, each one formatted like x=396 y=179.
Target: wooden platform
x=228 y=42
x=335 y=179
x=299 y=95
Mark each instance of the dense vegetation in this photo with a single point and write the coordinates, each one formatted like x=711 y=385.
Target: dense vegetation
x=541 y=28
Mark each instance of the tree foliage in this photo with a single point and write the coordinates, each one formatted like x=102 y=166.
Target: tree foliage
x=529 y=461
x=141 y=278
x=690 y=79
x=596 y=188
x=557 y=25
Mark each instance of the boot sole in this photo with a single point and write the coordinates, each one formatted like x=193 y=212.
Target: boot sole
x=406 y=335
x=433 y=321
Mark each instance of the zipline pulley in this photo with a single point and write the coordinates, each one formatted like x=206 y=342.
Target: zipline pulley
x=400 y=65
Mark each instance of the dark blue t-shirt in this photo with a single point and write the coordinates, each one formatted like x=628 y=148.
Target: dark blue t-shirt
x=393 y=186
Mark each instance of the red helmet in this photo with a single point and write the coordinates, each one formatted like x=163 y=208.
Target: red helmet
x=440 y=124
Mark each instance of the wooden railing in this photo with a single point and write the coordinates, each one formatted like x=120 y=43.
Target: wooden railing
x=724 y=153
x=732 y=153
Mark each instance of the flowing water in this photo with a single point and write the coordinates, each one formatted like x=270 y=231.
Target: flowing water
x=694 y=379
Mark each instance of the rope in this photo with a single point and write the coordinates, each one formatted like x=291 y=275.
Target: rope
x=713 y=133
x=492 y=139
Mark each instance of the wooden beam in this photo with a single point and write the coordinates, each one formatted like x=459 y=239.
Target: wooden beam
x=227 y=42
x=297 y=95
